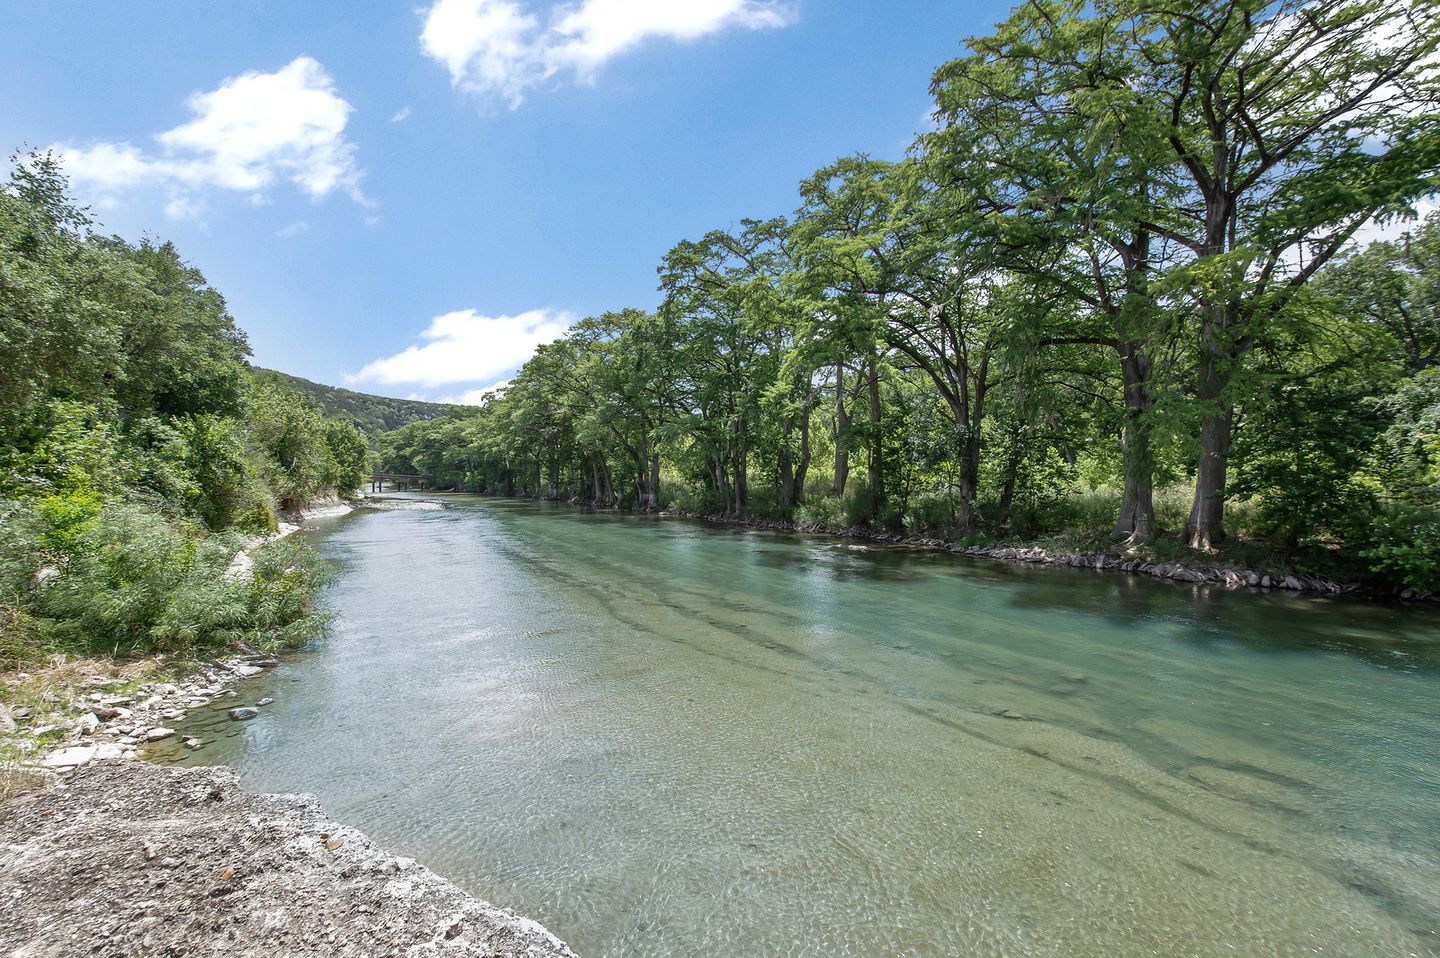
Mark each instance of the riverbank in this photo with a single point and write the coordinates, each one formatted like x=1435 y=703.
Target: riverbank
x=75 y=793
x=126 y=859
x=1134 y=560
x=72 y=711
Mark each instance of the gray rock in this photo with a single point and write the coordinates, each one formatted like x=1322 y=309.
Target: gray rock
x=245 y=671
x=243 y=714
x=156 y=734
x=265 y=701
x=88 y=723
x=69 y=757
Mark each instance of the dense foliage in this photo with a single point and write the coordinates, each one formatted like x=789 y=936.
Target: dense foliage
x=136 y=454
x=1115 y=288
x=372 y=415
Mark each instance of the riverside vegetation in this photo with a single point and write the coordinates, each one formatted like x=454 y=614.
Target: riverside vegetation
x=137 y=454
x=1115 y=292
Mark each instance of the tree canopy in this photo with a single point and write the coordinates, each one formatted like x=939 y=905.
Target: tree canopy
x=1118 y=276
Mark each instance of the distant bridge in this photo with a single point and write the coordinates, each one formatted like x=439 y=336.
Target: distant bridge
x=401 y=483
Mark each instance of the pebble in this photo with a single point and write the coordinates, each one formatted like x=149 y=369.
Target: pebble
x=126 y=722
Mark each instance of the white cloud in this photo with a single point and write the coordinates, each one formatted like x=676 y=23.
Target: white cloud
x=293 y=230
x=184 y=208
x=477 y=397
x=249 y=133
x=465 y=347
x=402 y=115
x=1395 y=227
x=500 y=48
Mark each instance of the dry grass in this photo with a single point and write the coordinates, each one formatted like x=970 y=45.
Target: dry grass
x=51 y=696
x=16 y=780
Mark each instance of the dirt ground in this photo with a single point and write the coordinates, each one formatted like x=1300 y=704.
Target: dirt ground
x=124 y=859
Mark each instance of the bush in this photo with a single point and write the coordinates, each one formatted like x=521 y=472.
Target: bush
x=857 y=505
x=930 y=512
x=1404 y=547
x=287 y=575
x=827 y=511
x=137 y=581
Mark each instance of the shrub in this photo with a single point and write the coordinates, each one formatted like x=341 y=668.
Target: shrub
x=1404 y=547
x=930 y=512
x=288 y=574
x=827 y=511
x=137 y=581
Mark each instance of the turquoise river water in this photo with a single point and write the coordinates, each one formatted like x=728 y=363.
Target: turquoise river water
x=664 y=738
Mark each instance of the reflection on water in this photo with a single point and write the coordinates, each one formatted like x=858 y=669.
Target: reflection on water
x=663 y=738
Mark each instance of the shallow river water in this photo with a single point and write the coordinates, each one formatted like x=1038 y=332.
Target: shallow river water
x=663 y=738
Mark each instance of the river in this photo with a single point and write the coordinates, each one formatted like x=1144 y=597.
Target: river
x=665 y=738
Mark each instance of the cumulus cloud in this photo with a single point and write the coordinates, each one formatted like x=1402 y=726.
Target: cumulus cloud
x=465 y=347
x=297 y=228
x=477 y=397
x=1395 y=227
x=500 y=48
x=254 y=130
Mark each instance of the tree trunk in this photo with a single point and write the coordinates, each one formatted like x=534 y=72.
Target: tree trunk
x=786 y=466
x=802 y=468
x=876 y=475
x=792 y=472
x=1137 y=503
x=1012 y=474
x=1206 y=526
x=842 y=429
x=742 y=470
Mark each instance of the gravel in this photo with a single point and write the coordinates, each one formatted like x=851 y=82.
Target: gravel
x=124 y=859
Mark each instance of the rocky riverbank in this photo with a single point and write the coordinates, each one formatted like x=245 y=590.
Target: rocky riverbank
x=124 y=859
x=1220 y=574
x=112 y=717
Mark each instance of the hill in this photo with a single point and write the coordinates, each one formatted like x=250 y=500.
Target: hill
x=372 y=414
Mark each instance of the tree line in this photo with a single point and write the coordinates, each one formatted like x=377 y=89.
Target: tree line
x=137 y=454
x=1119 y=274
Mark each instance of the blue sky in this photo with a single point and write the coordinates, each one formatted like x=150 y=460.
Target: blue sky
x=405 y=198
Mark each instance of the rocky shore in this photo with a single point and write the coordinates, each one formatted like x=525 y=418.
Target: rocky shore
x=104 y=854
x=124 y=859
x=1217 y=574
x=117 y=721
